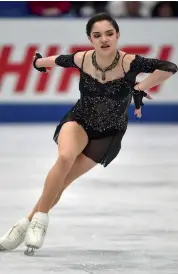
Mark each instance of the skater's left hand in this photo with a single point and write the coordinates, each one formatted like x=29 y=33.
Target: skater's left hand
x=138 y=112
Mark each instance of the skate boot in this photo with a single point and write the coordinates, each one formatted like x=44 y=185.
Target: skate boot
x=15 y=236
x=36 y=232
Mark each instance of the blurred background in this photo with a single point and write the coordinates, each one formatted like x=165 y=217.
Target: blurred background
x=122 y=218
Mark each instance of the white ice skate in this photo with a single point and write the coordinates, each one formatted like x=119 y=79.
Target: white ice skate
x=36 y=232
x=15 y=236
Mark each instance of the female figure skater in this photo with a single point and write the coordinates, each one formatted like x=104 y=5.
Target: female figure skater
x=92 y=130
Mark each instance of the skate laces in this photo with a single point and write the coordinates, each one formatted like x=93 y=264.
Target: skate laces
x=42 y=228
x=19 y=233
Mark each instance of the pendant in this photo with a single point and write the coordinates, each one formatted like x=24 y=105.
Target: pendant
x=103 y=77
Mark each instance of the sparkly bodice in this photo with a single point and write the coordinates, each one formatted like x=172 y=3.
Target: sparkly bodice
x=104 y=106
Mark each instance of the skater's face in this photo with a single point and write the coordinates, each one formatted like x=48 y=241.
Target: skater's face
x=104 y=37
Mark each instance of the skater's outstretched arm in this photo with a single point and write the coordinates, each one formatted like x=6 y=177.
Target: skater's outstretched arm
x=63 y=60
x=46 y=61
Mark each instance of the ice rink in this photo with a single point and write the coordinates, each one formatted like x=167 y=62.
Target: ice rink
x=119 y=219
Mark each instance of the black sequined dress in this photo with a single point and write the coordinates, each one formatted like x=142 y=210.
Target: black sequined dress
x=102 y=109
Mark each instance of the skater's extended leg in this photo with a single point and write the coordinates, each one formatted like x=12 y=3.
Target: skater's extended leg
x=81 y=165
x=15 y=236
x=72 y=140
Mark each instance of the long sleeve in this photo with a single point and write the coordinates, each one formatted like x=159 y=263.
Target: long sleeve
x=148 y=65
x=66 y=61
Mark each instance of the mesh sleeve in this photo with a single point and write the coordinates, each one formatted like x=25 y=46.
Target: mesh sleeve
x=149 y=65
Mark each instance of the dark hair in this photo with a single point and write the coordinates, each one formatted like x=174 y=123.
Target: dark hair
x=100 y=17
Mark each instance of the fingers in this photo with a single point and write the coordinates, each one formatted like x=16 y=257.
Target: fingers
x=138 y=113
x=37 y=55
x=35 y=59
x=149 y=97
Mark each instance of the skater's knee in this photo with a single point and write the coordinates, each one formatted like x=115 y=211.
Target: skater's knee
x=66 y=158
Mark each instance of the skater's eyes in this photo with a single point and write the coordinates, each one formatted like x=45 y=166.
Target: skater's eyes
x=96 y=35
x=107 y=33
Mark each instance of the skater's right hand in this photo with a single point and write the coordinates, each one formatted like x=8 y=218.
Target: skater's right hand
x=35 y=63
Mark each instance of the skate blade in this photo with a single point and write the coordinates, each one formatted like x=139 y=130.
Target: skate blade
x=30 y=251
x=2 y=248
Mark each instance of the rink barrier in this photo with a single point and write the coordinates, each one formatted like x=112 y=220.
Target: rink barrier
x=49 y=113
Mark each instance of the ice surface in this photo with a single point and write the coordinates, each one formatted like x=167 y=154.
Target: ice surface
x=119 y=219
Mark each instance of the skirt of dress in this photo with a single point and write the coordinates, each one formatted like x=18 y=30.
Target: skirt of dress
x=102 y=147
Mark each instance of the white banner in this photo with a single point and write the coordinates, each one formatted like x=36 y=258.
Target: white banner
x=19 y=40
